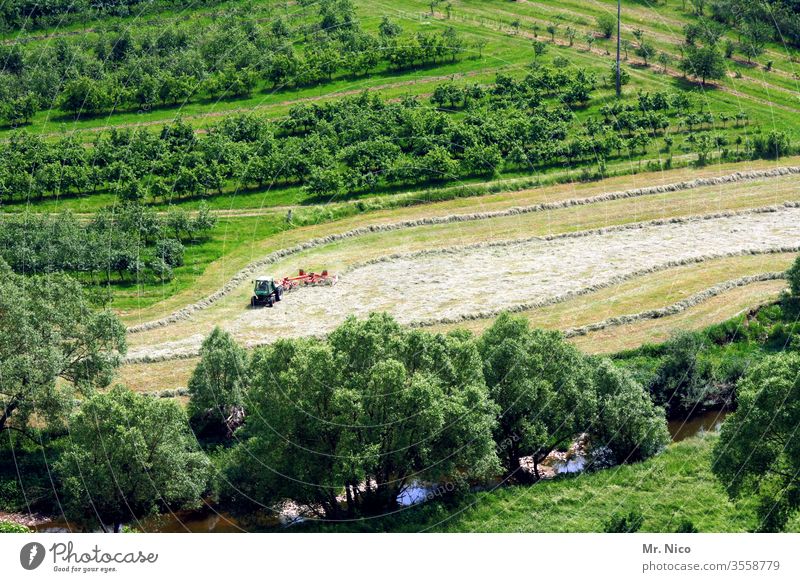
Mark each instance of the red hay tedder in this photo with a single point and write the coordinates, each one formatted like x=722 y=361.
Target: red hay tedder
x=267 y=291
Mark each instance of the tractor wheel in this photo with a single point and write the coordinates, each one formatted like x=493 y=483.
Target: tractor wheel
x=253 y=301
x=278 y=294
x=270 y=301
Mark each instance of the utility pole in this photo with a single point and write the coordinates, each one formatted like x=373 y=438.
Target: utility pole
x=619 y=72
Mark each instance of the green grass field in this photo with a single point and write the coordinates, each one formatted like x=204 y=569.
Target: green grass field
x=669 y=489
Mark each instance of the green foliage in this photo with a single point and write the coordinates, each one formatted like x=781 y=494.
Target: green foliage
x=682 y=383
x=11 y=527
x=758 y=453
x=129 y=456
x=703 y=62
x=218 y=384
x=543 y=387
x=21 y=14
x=793 y=276
x=658 y=487
x=754 y=36
x=607 y=24
x=368 y=411
x=772 y=146
x=686 y=526
x=646 y=50
x=137 y=68
x=630 y=522
x=624 y=75
x=129 y=240
x=352 y=144
x=705 y=31
x=170 y=251
x=52 y=344
x=627 y=421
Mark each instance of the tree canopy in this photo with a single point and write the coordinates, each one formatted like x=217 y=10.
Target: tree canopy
x=366 y=413
x=129 y=456
x=628 y=422
x=544 y=389
x=218 y=384
x=53 y=342
x=758 y=453
x=703 y=62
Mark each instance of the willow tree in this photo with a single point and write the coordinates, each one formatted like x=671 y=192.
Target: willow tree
x=628 y=423
x=129 y=456
x=758 y=452
x=543 y=386
x=361 y=416
x=218 y=384
x=53 y=345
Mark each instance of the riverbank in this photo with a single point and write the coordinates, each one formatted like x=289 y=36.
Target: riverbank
x=208 y=519
x=669 y=490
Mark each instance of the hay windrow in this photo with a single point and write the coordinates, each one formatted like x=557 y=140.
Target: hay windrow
x=449 y=286
x=673 y=309
x=244 y=274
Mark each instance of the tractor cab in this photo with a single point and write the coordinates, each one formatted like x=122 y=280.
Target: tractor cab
x=266 y=291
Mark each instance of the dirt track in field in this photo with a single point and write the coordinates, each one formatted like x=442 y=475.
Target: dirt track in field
x=480 y=280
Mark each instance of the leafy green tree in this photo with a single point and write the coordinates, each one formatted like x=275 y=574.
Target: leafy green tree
x=218 y=384
x=438 y=164
x=772 y=146
x=178 y=221
x=626 y=46
x=552 y=29
x=325 y=182
x=365 y=413
x=607 y=24
x=758 y=453
x=728 y=48
x=129 y=456
x=627 y=422
x=161 y=270
x=202 y=223
x=754 y=37
x=624 y=75
x=452 y=43
x=86 y=94
x=539 y=49
x=170 y=251
x=793 y=276
x=389 y=29
x=52 y=345
x=704 y=30
x=646 y=50
x=682 y=380
x=484 y=160
x=543 y=386
x=571 y=33
x=20 y=110
x=664 y=60
x=704 y=62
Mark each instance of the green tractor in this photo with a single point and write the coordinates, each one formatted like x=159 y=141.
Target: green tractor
x=266 y=292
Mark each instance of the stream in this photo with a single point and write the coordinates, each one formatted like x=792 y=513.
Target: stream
x=710 y=421
x=208 y=520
